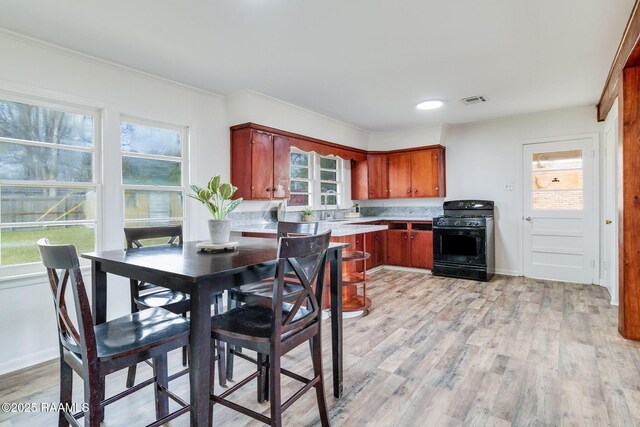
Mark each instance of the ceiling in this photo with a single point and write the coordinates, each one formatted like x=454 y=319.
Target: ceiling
x=364 y=62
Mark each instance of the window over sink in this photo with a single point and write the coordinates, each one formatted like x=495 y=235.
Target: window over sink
x=312 y=176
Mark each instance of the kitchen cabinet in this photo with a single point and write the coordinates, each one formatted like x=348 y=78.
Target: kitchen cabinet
x=399 y=175
x=398 y=245
x=417 y=173
x=378 y=176
x=410 y=244
x=376 y=244
x=259 y=164
x=421 y=246
x=359 y=179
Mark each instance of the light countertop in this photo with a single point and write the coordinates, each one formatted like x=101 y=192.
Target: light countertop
x=340 y=227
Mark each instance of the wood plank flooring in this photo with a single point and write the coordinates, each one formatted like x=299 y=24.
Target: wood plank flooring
x=434 y=352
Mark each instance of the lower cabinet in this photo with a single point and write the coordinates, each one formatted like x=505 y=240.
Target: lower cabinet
x=410 y=244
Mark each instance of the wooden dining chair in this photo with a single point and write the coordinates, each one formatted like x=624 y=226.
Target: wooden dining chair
x=95 y=351
x=263 y=289
x=279 y=327
x=147 y=295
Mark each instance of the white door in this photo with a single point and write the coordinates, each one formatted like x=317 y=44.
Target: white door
x=558 y=214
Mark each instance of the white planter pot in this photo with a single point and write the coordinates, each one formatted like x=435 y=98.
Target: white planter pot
x=219 y=230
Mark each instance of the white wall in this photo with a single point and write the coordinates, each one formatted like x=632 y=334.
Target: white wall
x=483 y=157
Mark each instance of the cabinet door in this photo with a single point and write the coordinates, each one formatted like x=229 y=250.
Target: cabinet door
x=372 y=248
x=359 y=180
x=261 y=165
x=380 y=242
x=281 y=166
x=241 y=162
x=378 y=176
x=424 y=173
x=400 y=175
x=398 y=248
x=422 y=249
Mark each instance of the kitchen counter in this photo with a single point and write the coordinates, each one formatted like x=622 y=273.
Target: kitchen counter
x=338 y=228
x=384 y=218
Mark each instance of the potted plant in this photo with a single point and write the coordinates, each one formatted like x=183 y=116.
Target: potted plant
x=307 y=214
x=217 y=198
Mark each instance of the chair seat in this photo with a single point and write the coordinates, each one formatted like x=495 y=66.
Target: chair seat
x=264 y=289
x=162 y=298
x=140 y=331
x=251 y=321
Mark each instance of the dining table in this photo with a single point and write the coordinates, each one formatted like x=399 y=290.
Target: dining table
x=199 y=273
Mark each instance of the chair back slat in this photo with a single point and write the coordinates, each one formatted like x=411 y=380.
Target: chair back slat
x=286 y=228
x=305 y=257
x=78 y=339
x=134 y=235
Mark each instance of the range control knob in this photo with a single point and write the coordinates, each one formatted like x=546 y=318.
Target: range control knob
x=456 y=223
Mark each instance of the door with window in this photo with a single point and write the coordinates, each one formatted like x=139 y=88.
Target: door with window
x=558 y=212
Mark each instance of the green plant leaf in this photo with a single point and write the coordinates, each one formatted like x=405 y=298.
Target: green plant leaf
x=232 y=205
x=226 y=191
x=214 y=184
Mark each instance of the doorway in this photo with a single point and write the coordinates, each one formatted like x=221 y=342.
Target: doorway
x=560 y=241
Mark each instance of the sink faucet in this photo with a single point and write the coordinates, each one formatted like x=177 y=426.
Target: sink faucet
x=326 y=198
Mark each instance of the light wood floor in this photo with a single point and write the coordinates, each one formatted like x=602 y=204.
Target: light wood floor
x=437 y=352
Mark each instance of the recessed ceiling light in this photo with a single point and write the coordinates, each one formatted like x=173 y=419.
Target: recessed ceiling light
x=430 y=105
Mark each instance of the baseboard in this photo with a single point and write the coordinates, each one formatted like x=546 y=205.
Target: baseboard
x=29 y=360
x=408 y=269
x=507 y=272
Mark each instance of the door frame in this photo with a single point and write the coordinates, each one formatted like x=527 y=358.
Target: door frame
x=610 y=277
x=595 y=143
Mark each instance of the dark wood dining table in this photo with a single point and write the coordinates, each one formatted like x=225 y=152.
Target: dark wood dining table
x=184 y=268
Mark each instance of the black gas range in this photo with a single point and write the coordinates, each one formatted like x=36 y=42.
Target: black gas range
x=463 y=240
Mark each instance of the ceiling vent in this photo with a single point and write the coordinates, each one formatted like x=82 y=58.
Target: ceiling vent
x=473 y=100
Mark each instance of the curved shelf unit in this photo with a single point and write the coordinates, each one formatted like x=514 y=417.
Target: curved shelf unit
x=353 y=303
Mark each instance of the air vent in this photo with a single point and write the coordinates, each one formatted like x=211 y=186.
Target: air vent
x=473 y=100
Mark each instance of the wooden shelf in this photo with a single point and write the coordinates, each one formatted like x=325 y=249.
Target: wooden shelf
x=356 y=303
x=354 y=279
x=355 y=256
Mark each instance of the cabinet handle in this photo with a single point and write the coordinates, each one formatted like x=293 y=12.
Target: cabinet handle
x=409 y=191
x=388 y=191
x=415 y=191
x=268 y=189
x=405 y=237
x=437 y=188
x=252 y=187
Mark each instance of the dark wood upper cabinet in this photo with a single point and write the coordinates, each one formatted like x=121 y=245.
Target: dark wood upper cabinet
x=259 y=163
x=378 y=176
x=260 y=166
x=425 y=173
x=359 y=179
x=400 y=175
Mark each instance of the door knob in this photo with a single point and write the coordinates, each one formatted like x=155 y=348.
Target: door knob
x=528 y=219
x=608 y=221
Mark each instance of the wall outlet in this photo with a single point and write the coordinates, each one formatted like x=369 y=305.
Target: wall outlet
x=508 y=187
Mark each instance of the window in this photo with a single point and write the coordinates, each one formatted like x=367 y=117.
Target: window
x=312 y=176
x=301 y=175
x=152 y=173
x=330 y=179
x=47 y=178
x=556 y=179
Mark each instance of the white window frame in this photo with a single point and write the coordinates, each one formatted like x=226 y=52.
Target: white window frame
x=339 y=181
x=312 y=189
x=315 y=195
x=34 y=269
x=183 y=188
